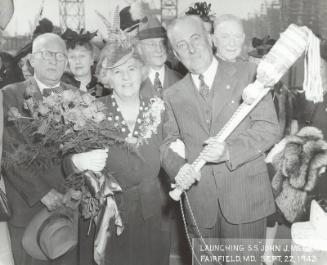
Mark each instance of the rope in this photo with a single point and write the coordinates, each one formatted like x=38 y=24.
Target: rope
x=196 y=226
x=312 y=84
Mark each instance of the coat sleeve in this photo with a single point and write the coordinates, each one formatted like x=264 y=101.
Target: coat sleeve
x=261 y=134
x=31 y=184
x=171 y=162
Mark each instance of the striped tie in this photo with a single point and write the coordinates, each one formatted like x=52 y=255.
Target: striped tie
x=157 y=84
x=203 y=89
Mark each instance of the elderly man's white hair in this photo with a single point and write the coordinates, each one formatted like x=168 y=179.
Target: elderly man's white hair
x=40 y=40
x=227 y=17
x=176 y=21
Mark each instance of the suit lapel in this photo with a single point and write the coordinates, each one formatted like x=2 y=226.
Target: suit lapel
x=32 y=88
x=166 y=81
x=223 y=86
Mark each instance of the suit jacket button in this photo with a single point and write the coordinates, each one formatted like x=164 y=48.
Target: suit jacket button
x=228 y=87
x=233 y=101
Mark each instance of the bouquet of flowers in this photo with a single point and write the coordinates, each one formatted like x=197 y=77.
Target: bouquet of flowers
x=66 y=121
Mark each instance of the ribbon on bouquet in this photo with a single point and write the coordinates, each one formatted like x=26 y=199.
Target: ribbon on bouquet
x=293 y=42
x=104 y=187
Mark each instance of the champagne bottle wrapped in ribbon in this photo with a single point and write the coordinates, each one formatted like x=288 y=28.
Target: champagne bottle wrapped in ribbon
x=293 y=42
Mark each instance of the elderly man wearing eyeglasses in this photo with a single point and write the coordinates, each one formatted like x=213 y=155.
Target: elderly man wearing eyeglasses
x=152 y=47
x=29 y=190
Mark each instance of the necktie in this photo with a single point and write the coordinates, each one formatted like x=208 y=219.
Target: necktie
x=203 y=89
x=157 y=84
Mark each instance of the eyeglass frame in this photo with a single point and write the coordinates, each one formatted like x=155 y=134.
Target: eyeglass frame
x=52 y=53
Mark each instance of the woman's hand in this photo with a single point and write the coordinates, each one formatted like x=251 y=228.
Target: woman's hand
x=94 y=160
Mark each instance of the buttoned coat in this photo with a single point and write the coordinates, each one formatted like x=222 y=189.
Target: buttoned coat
x=241 y=185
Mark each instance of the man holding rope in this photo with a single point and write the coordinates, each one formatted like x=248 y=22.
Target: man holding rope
x=233 y=197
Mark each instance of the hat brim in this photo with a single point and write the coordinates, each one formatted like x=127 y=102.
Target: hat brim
x=152 y=33
x=31 y=235
x=23 y=52
x=122 y=60
x=29 y=240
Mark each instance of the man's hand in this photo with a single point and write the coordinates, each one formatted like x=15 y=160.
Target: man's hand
x=187 y=176
x=178 y=147
x=215 y=151
x=52 y=200
x=94 y=160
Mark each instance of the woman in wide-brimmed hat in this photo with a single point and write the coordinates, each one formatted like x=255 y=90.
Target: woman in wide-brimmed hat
x=137 y=171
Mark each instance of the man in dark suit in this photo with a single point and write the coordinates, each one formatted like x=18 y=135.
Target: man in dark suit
x=152 y=47
x=29 y=190
x=234 y=194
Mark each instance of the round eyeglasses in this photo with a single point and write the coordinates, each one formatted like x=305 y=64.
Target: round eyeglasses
x=48 y=55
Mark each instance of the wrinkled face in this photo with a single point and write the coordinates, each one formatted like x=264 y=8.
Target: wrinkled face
x=80 y=60
x=153 y=52
x=25 y=67
x=49 y=62
x=125 y=79
x=229 y=38
x=192 y=46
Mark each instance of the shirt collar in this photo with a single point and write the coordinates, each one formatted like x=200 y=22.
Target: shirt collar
x=43 y=86
x=152 y=74
x=209 y=74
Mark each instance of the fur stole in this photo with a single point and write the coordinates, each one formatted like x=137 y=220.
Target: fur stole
x=299 y=163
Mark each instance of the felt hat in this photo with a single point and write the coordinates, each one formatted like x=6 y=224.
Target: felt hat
x=126 y=20
x=50 y=235
x=115 y=54
x=151 y=29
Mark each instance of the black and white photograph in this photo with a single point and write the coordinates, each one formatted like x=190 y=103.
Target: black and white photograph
x=163 y=132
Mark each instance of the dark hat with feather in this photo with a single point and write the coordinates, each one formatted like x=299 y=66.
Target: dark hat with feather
x=131 y=16
x=201 y=9
x=72 y=38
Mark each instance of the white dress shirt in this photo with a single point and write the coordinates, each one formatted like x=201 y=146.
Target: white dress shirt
x=43 y=86
x=209 y=75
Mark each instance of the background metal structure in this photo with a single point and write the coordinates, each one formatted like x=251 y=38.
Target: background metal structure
x=72 y=14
